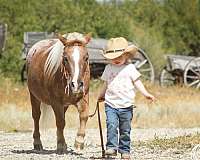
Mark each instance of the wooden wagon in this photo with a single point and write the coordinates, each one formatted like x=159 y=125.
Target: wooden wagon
x=3 y=30
x=97 y=61
x=181 y=70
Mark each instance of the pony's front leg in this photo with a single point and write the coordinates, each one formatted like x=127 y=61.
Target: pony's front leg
x=60 y=124
x=83 y=117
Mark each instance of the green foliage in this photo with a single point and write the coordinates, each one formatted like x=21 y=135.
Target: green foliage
x=10 y=62
x=159 y=27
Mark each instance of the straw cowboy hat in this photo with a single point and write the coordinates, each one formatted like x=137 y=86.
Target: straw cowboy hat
x=117 y=47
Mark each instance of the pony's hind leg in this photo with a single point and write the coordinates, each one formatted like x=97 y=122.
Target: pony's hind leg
x=36 y=112
x=59 y=111
x=83 y=117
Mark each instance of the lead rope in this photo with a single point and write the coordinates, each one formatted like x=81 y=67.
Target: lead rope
x=100 y=128
x=66 y=76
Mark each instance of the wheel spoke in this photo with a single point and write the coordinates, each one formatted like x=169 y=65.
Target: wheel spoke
x=169 y=79
x=166 y=78
x=141 y=63
x=191 y=69
x=167 y=82
x=193 y=83
x=192 y=77
x=198 y=85
x=192 y=73
x=145 y=70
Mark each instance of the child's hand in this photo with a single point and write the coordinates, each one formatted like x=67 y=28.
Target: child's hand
x=150 y=97
x=100 y=99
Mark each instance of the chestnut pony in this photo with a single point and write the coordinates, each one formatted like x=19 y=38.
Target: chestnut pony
x=58 y=75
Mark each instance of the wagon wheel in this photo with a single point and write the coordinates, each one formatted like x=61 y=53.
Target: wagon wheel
x=170 y=78
x=23 y=73
x=144 y=65
x=96 y=69
x=192 y=73
x=166 y=78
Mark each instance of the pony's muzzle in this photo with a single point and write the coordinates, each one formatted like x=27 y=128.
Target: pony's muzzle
x=77 y=87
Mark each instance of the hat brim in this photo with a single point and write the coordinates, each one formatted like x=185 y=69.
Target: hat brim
x=112 y=55
x=132 y=49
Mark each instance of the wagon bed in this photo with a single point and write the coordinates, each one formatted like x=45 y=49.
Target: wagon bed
x=3 y=29
x=181 y=70
x=95 y=49
x=178 y=61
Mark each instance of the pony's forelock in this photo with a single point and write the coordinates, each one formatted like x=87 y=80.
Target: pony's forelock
x=54 y=59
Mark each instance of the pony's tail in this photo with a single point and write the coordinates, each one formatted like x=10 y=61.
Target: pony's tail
x=47 y=117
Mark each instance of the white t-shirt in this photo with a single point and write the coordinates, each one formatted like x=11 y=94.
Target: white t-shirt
x=120 y=91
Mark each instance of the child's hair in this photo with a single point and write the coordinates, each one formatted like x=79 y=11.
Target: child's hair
x=129 y=57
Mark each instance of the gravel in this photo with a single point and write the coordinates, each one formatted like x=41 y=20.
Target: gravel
x=18 y=145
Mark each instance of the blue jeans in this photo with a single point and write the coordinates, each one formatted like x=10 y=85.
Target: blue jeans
x=118 y=119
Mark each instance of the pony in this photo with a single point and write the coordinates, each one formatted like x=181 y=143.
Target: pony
x=58 y=75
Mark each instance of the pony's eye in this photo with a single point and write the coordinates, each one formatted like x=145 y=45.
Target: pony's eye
x=65 y=60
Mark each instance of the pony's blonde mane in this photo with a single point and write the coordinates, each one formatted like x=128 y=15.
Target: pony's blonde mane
x=54 y=59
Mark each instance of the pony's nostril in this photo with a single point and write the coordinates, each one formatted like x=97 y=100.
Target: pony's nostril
x=81 y=84
x=72 y=84
x=76 y=86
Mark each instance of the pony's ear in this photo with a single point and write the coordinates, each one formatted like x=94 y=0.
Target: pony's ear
x=88 y=37
x=62 y=39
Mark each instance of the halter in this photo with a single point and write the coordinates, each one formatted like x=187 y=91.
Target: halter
x=65 y=71
x=66 y=76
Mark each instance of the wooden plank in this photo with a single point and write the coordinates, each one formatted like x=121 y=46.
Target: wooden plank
x=30 y=38
x=178 y=61
x=95 y=50
x=97 y=43
x=33 y=37
x=95 y=47
x=180 y=57
x=3 y=29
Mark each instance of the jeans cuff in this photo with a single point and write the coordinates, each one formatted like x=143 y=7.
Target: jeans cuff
x=114 y=148
x=122 y=151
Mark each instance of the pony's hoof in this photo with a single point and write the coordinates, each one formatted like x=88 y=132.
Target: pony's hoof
x=61 y=148
x=79 y=145
x=38 y=147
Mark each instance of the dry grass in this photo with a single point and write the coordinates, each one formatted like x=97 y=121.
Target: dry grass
x=175 y=107
x=180 y=143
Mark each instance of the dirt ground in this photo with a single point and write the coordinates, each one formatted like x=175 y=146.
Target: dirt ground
x=18 y=145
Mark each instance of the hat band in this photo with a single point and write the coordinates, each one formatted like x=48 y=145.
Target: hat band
x=116 y=50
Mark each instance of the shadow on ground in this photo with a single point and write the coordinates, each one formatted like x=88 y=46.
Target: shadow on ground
x=69 y=152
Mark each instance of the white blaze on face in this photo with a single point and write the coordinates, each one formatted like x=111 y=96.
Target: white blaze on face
x=76 y=57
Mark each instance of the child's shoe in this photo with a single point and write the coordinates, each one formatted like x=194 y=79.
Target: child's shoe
x=126 y=156
x=110 y=152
